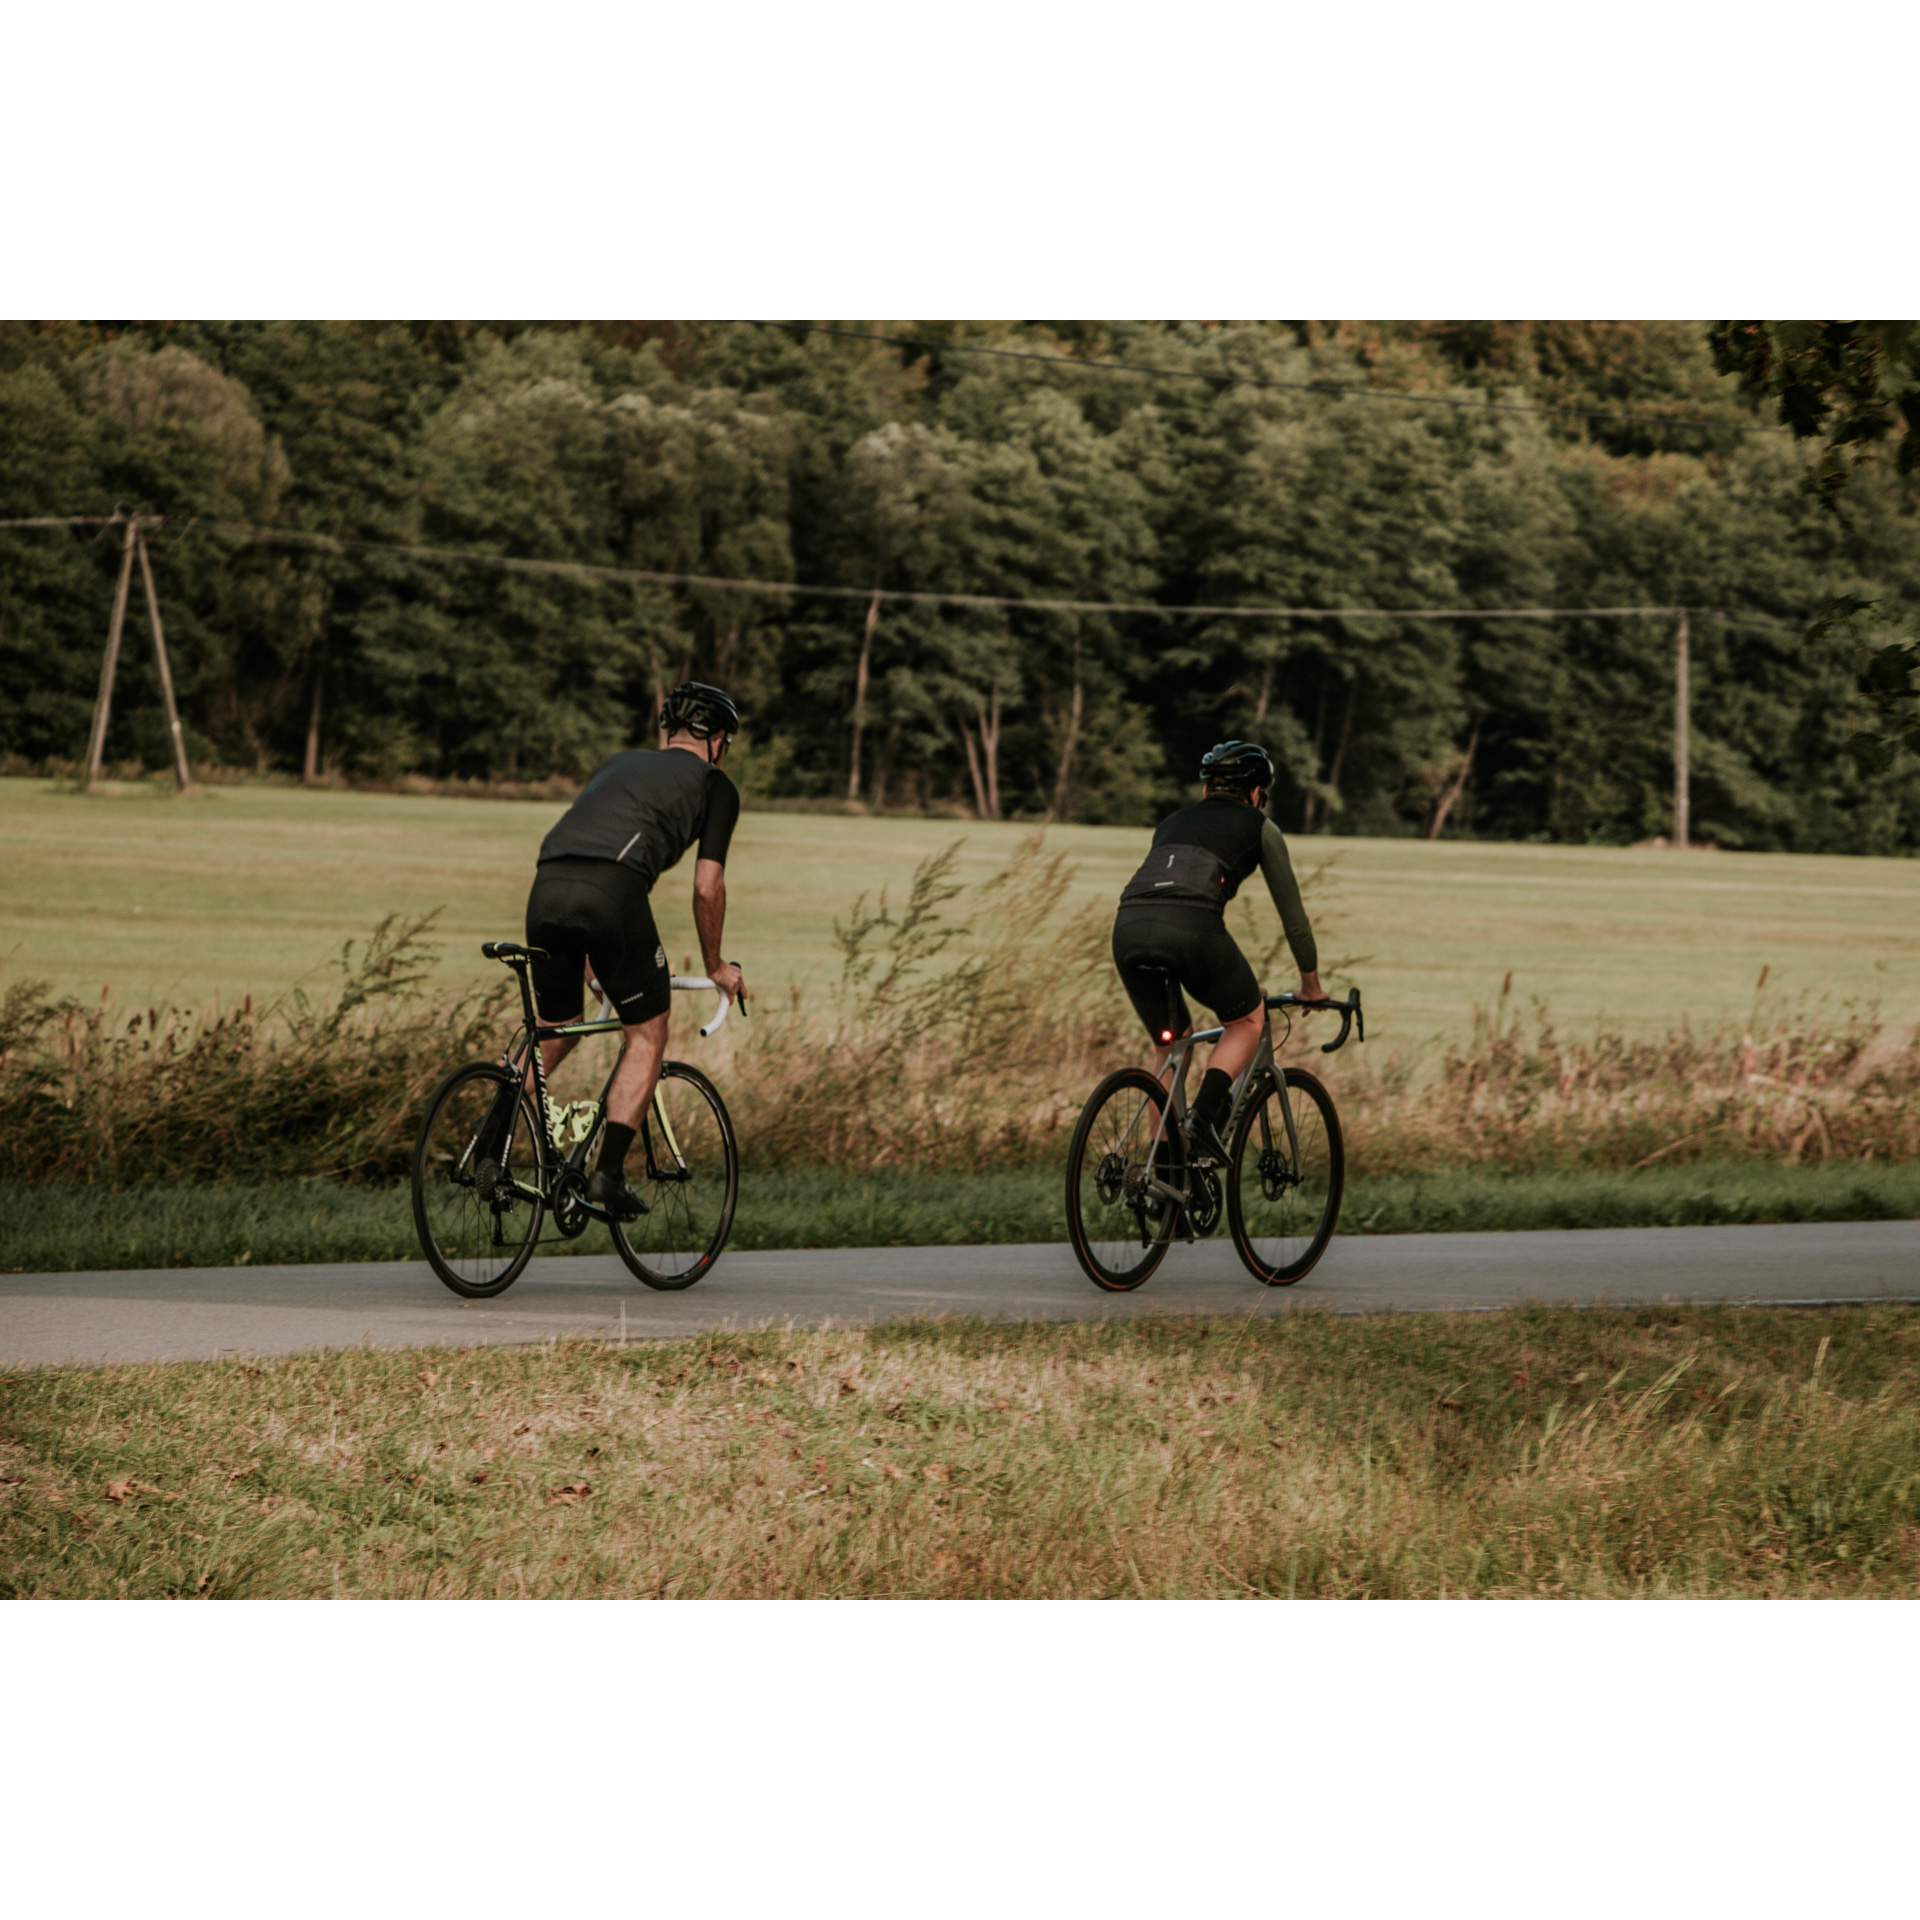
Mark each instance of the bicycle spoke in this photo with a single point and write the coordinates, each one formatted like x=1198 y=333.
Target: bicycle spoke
x=475 y=1165
x=685 y=1165
x=1118 y=1223
x=1284 y=1187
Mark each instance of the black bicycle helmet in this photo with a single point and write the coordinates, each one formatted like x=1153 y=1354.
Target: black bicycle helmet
x=1235 y=766
x=696 y=708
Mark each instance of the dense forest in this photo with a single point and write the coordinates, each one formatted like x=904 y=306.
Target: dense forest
x=750 y=451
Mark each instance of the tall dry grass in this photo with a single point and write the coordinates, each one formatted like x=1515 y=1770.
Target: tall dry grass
x=325 y=1083
x=1792 y=1083
x=967 y=1026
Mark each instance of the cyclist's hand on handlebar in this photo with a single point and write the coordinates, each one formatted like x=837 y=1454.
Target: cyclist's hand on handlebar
x=1310 y=987
x=731 y=981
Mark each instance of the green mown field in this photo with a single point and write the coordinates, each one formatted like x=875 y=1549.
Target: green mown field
x=245 y=889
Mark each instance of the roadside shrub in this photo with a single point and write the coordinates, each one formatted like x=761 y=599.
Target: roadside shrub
x=330 y=1085
x=1796 y=1085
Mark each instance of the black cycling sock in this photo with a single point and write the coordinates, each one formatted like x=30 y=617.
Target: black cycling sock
x=1214 y=1097
x=613 y=1147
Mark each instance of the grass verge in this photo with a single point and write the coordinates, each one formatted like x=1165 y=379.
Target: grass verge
x=1696 y=1452
x=61 y=1229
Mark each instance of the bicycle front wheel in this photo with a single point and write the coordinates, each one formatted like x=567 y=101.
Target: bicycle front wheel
x=477 y=1180
x=691 y=1180
x=1119 y=1226
x=1284 y=1185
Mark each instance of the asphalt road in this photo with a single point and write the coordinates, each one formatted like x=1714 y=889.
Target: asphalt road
x=200 y=1312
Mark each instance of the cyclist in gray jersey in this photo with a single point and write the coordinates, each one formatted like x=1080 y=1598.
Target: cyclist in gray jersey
x=590 y=905
x=1171 y=931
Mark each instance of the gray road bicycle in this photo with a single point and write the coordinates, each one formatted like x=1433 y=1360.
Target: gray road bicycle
x=1132 y=1189
x=496 y=1158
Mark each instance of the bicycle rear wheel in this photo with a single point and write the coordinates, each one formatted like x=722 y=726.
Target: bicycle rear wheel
x=477 y=1178
x=1283 y=1191
x=690 y=1178
x=1119 y=1227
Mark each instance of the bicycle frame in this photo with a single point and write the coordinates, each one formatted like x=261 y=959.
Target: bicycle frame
x=524 y=1050
x=1179 y=1052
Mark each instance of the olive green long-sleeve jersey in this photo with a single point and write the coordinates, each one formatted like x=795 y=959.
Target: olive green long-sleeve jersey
x=1276 y=869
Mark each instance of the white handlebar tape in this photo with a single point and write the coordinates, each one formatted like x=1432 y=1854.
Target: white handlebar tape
x=693 y=983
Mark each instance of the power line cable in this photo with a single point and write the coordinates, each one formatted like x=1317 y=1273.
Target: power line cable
x=1152 y=609
x=1328 y=387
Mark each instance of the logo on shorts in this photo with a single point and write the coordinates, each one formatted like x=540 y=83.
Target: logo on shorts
x=659 y=956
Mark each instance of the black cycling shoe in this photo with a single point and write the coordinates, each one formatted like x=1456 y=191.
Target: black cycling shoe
x=610 y=1192
x=1204 y=1145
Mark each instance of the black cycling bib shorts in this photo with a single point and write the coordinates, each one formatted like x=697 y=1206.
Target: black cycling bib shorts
x=1193 y=946
x=597 y=911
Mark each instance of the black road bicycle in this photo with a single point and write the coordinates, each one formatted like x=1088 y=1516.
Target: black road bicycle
x=1132 y=1190
x=495 y=1158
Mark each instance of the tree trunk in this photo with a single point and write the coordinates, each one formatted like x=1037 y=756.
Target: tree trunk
x=1058 y=811
x=973 y=767
x=990 y=748
x=1340 y=751
x=1457 y=787
x=310 y=766
x=860 y=691
x=1682 y=702
x=1313 y=771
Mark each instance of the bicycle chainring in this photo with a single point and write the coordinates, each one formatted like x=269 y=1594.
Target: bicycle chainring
x=1203 y=1201
x=568 y=1204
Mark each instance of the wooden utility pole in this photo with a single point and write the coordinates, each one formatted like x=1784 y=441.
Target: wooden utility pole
x=103 y=704
x=1682 y=797
x=181 y=770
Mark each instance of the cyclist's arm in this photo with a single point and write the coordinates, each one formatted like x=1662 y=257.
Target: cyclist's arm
x=710 y=920
x=1276 y=869
x=710 y=882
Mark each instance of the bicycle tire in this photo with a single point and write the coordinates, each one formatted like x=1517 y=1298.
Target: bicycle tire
x=462 y=1231
x=1278 y=1236
x=1103 y=1166
x=679 y=1240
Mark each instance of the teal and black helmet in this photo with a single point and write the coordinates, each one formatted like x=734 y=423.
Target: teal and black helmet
x=1235 y=766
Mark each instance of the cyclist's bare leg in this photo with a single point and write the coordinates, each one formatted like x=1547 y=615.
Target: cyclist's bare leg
x=638 y=1072
x=552 y=1052
x=633 y=1079
x=1238 y=1043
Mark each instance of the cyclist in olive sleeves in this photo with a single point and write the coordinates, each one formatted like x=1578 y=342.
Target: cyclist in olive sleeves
x=1172 y=922
x=590 y=905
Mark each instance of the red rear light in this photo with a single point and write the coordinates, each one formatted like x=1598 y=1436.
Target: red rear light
x=1166 y=1036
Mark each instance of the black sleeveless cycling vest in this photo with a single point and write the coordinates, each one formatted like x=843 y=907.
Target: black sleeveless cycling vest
x=1200 y=856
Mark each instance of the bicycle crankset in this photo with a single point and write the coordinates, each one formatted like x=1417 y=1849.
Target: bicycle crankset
x=568 y=1204
x=1203 y=1201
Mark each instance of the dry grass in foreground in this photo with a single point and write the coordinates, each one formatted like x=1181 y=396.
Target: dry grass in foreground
x=1694 y=1452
